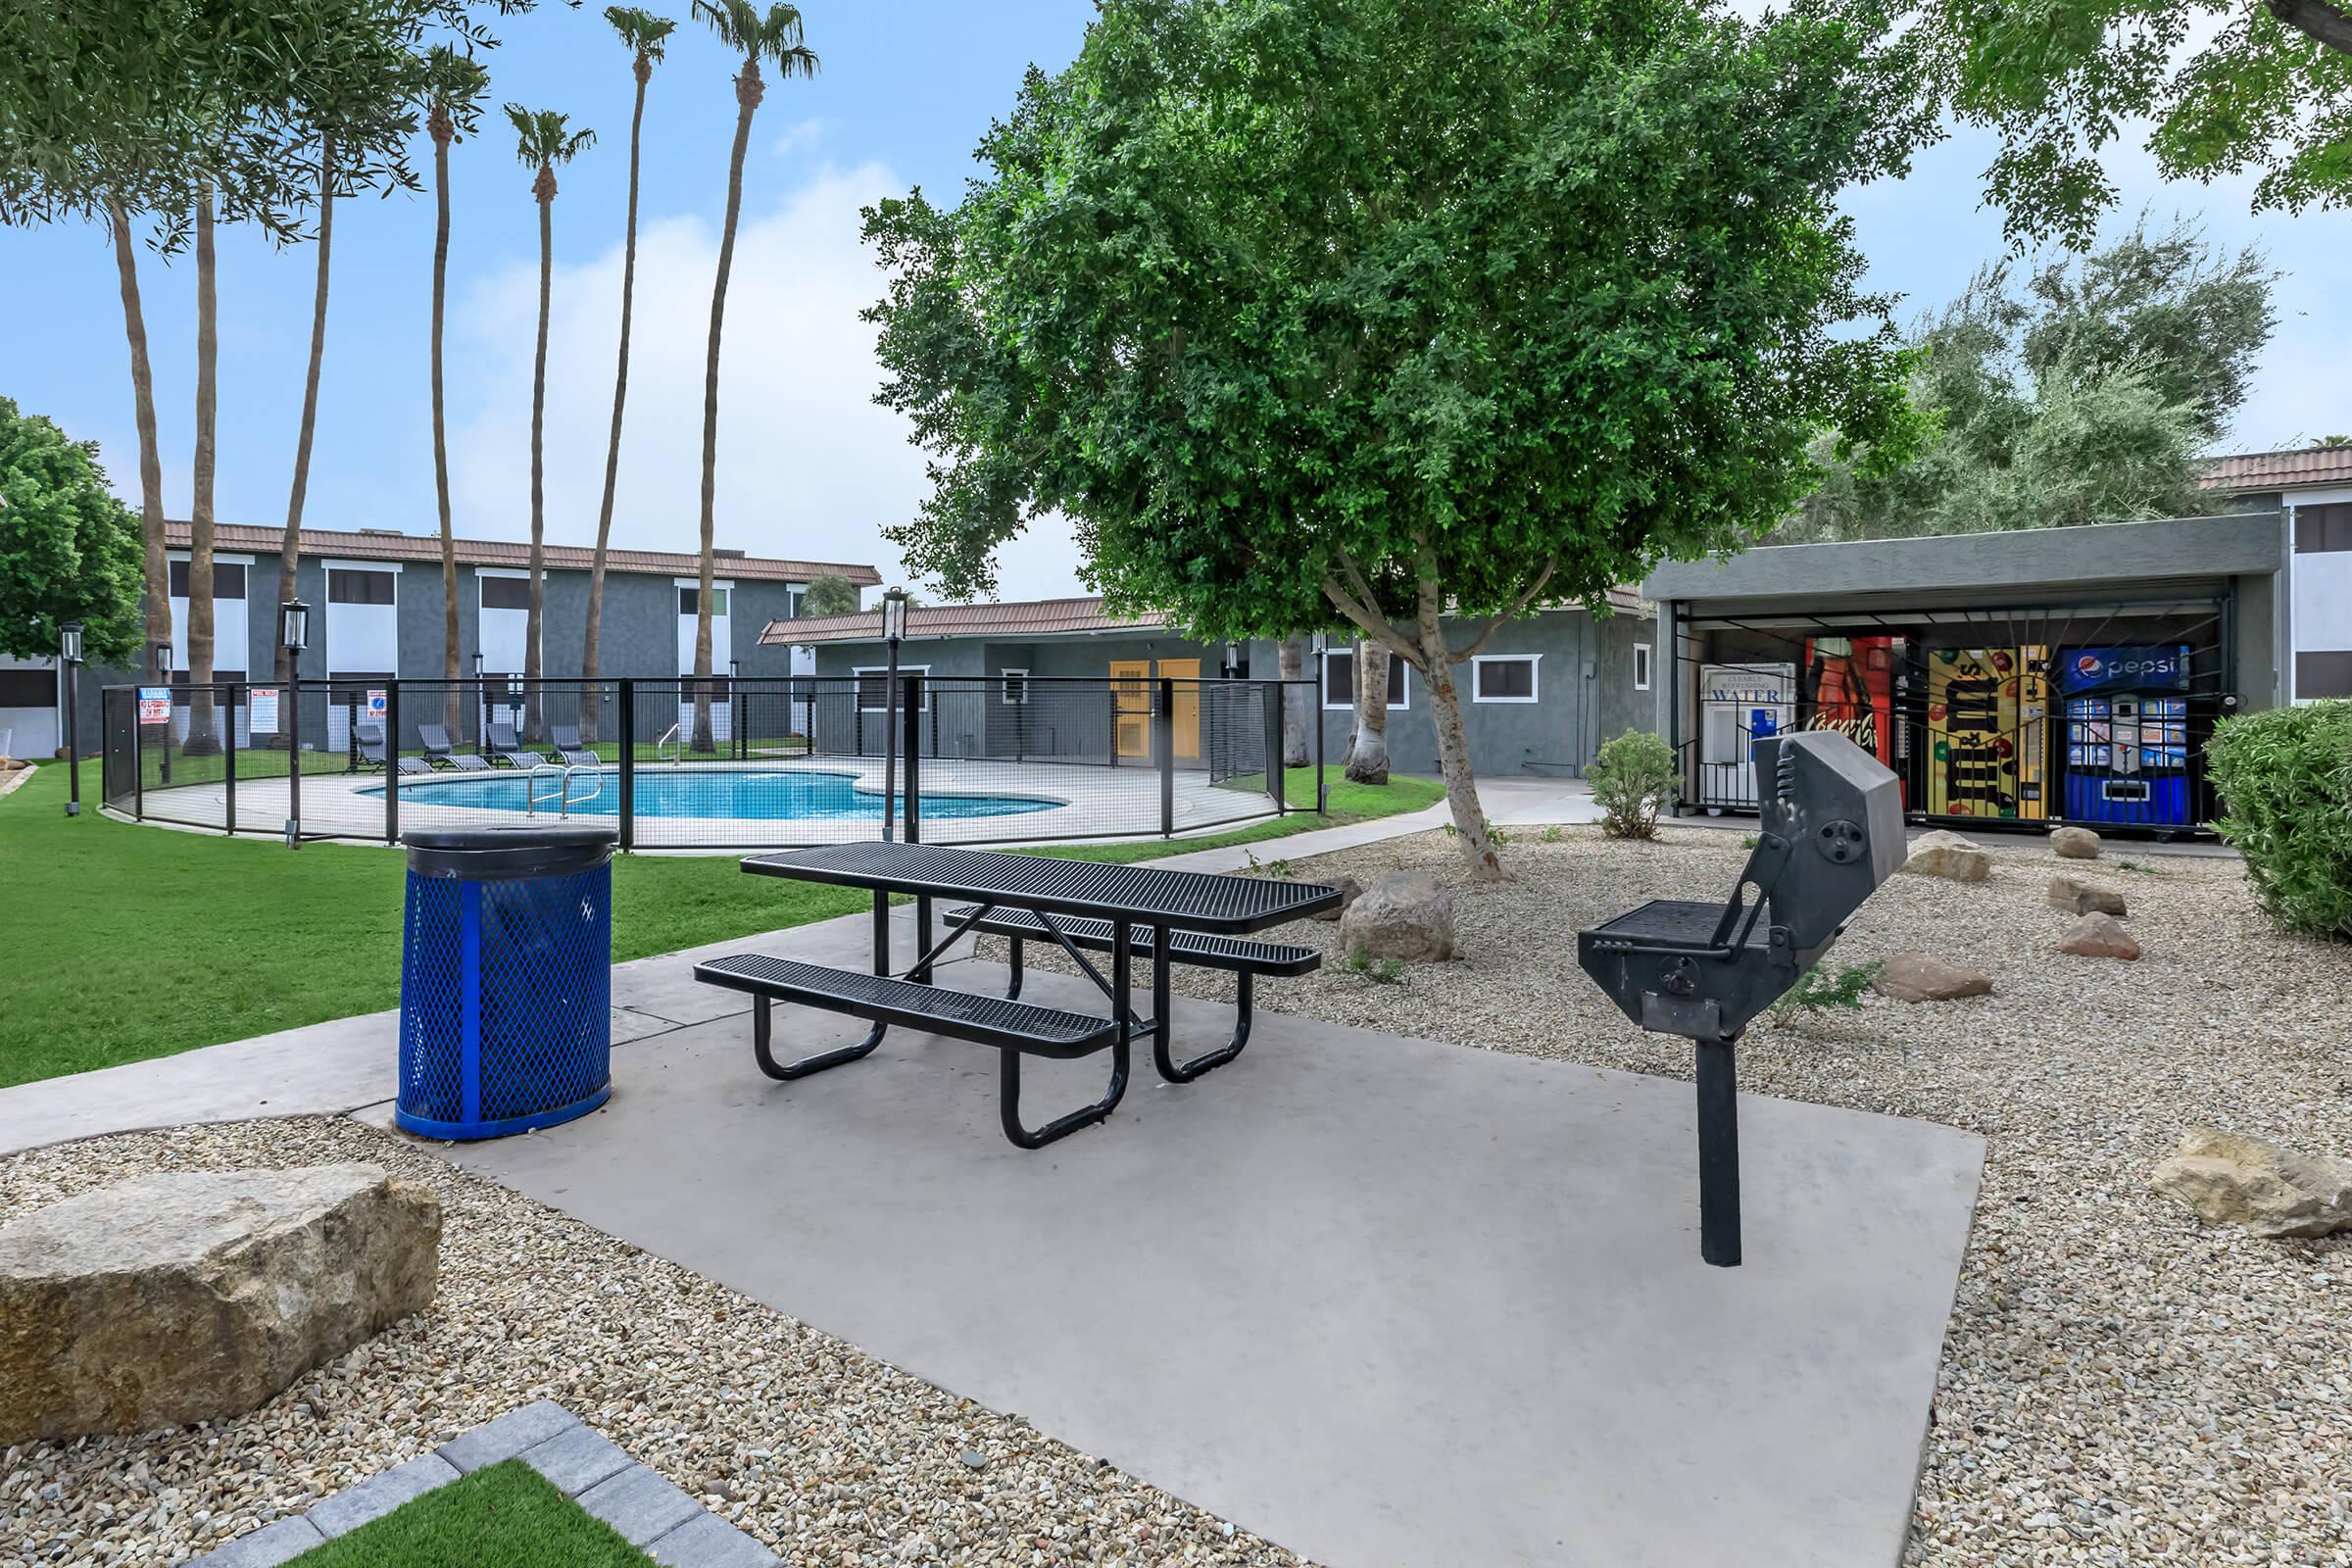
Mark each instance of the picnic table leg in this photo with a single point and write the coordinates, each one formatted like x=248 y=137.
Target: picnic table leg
x=763 y=1007
x=1009 y=1100
x=881 y=932
x=1163 y=1024
x=1013 y=990
x=922 y=937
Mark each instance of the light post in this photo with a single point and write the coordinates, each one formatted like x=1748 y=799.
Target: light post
x=70 y=656
x=293 y=635
x=894 y=628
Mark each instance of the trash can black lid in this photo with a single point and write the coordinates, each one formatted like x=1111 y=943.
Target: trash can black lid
x=478 y=854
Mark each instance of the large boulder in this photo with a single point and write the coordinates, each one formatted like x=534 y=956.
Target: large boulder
x=185 y=1295
x=1924 y=977
x=2270 y=1190
x=1350 y=890
x=2081 y=895
x=1948 y=855
x=2075 y=844
x=2098 y=936
x=1404 y=914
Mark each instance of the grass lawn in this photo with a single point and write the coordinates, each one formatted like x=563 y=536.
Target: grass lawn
x=503 y=1515
x=119 y=943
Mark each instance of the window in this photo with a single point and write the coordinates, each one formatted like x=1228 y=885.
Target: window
x=791 y=603
x=1016 y=686
x=506 y=593
x=28 y=688
x=1503 y=678
x=2323 y=675
x=228 y=579
x=1640 y=667
x=359 y=587
x=1339 y=679
x=2324 y=531
x=689 y=598
x=873 y=683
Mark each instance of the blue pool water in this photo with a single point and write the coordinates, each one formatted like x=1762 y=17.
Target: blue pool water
x=750 y=793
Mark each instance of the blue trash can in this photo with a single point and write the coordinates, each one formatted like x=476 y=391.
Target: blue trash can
x=505 y=980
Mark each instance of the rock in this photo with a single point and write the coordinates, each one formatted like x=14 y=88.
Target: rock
x=1924 y=977
x=2230 y=1180
x=185 y=1295
x=2098 y=936
x=2075 y=844
x=2077 y=895
x=1949 y=854
x=1406 y=914
x=1350 y=890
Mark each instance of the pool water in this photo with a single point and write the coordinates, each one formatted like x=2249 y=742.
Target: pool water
x=743 y=794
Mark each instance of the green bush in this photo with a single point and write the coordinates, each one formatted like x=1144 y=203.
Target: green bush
x=2285 y=782
x=1632 y=778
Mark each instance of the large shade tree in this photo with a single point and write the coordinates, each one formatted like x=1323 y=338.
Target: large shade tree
x=68 y=550
x=1376 y=313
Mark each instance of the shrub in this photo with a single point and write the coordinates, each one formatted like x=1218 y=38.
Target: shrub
x=2285 y=782
x=1632 y=780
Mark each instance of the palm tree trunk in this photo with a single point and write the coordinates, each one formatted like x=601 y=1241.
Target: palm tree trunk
x=531 y=669
x=1368 y=758
x=453 y=707
x=200 y=740
x=151 y=457
x=591 y=646
x=748 y=91
x=1289 y=662
x=289 y=550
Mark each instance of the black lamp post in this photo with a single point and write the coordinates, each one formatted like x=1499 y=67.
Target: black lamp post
x=293 y=635
x=70 y=656
x=894 y=628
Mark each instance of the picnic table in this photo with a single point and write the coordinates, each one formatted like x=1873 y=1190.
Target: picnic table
x=1126 y=911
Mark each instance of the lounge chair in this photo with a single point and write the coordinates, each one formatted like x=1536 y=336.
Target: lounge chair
x=504 y=748
x=369 y=741
x=565 y=738
x=439 y=752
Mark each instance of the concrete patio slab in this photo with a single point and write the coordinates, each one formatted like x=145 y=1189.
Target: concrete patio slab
x=1384 y=1301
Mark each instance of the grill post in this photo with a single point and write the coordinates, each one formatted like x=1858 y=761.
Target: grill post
x=1718 y=1156
x=229 y=755
x=628 y=764
x=392 y=760
x=1163 y=742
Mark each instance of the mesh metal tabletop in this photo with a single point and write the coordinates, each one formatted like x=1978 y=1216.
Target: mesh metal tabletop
x=1147 y=893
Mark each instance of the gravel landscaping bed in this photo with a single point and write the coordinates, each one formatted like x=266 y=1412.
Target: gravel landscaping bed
x=826 y=1454
x=2121 y=1385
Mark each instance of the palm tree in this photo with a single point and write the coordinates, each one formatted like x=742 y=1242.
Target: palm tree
x=775 y=36
x=455 y=88
x=289 y=550
x=151 y=461
x=542 y=139
x=200 y=504
x=647 y=36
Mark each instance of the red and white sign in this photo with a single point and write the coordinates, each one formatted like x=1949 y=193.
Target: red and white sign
x=155 y=705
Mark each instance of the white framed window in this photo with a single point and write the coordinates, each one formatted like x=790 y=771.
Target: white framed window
x=1640 y=667
x=873 y=686
x=500 y=589
x=1503 y=678
x=1339 y=681
x=690 y=600
x=1015 y=685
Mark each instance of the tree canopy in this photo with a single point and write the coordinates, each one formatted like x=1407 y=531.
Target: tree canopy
x=830 y=594
x=1312 y=311
x=68 y=550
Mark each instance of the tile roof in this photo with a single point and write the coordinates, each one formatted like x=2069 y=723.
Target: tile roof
x=371 y=545
x=2275 y=470
x=1031 y=618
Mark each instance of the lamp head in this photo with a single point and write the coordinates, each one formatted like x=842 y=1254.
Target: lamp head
x=70 y=642
x=893 y=615
x=294 y=625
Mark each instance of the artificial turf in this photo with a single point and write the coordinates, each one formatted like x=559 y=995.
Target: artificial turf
x=503 y=1515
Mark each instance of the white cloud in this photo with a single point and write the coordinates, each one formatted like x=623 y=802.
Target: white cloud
x=809 y=465
x=803 y=135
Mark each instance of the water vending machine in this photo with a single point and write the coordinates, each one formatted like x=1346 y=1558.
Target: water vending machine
x=1738 y=705
x=2127 y=734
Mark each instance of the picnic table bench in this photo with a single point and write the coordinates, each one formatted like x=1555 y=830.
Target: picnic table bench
x=1128 y=911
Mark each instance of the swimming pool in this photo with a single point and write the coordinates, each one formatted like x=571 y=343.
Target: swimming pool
x=758 y=795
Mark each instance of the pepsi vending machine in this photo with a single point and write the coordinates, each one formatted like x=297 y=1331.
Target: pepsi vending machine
x=2126 y=735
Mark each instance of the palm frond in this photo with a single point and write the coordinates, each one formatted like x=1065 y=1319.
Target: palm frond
x=644 y=32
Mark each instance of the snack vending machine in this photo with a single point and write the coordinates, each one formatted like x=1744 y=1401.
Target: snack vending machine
x=2126 y=735
x=1987 y=732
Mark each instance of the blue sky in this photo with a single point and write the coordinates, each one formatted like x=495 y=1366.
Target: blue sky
x=809 y=466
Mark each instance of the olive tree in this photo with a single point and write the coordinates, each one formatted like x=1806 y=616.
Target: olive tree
x=1396 y=314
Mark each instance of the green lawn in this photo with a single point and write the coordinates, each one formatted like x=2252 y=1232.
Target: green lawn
x=505 y=1515
x=119 y=943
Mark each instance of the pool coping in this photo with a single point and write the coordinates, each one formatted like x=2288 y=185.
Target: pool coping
x=653 y=1514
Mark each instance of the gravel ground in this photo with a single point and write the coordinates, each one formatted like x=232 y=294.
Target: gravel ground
x=828 y=1455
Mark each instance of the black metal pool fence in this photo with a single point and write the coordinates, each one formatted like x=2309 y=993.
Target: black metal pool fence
x=724 y=763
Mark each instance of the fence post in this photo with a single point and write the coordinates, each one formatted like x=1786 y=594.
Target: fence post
x=1274 y=693
x=628 y=764
x=229 y=754
x=911 y=707
x=392 y=760
x=1163 y=742
x=138 y=761
x=1322 y=784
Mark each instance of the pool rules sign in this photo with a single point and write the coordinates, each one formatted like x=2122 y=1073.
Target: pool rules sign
x=260 y=711
x=155 y=705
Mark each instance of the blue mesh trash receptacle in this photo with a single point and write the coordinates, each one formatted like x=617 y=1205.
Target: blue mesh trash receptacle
x=505 y=980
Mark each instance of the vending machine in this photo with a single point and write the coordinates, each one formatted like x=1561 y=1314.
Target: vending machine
x=2127 y=734
x=1738 y=705
x=1987 y=732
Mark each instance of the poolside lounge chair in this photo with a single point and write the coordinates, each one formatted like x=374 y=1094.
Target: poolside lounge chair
x=369 y=739
x=569 y=750
x=439 y=752
x=504 y=748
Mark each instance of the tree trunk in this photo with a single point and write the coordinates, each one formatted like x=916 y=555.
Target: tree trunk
x=289 y=550
x=1454 y=751
x=545 y=189
x=150 y=458
x=1289 y=662
x=590 y=647
x=748 y=91
x=1368 y=756
x=453 y=705
x=200 y=740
